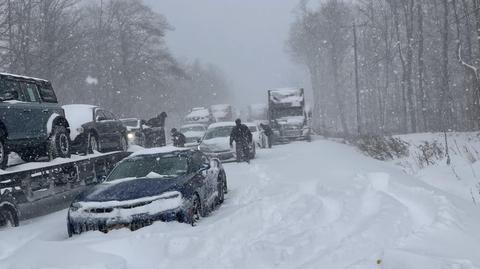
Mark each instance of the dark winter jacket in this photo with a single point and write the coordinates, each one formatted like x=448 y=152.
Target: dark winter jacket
x=267 y=129
x=178 y=139
x=158 y=121
x=240 y=134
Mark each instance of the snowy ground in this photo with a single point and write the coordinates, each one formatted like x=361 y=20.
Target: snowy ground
x=303 y=205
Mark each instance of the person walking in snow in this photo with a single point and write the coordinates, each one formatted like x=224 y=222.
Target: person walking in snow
x=268 y=133
x=178 y=138
x=243 y=138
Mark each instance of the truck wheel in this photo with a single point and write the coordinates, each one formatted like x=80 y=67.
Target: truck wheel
x=59 y=143
x=3 y=154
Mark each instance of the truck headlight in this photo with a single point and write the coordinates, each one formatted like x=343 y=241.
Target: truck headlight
x=131 y=136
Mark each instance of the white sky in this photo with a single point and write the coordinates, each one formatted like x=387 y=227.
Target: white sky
x=246 y=38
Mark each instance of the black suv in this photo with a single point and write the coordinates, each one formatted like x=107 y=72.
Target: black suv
x=31 y=121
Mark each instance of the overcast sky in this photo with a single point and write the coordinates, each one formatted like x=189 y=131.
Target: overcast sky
x=246 y=38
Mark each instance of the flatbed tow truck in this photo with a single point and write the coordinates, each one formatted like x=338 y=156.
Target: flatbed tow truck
x=37 y=188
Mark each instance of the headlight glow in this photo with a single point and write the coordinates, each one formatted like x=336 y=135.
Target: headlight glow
x=131 y=136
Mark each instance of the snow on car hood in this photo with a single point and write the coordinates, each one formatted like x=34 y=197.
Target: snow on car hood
x=216 y=144
x=293 y=120
x=195 y=134
x=78 y=115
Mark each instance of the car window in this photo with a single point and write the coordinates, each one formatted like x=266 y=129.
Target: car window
x=13 y=88
x=109 y=115
x=47 y=94
x=99 y=114
x=30 y=91
x=146 y=166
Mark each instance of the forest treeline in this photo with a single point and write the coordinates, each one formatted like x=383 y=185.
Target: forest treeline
x=390 y=66
x=105 y=52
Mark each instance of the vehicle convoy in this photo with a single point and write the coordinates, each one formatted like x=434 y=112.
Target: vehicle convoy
x=287 y=116
x=193 y=134
x=35 y=189
x=216 y=142
x=199 y=115
x=222 y=112
x=95 y=129
x=32 y=123
x=166 y=184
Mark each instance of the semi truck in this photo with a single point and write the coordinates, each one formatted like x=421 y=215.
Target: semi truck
x=287 y=115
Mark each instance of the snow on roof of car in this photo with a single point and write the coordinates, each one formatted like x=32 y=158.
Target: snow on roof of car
x=221 y=124
x=127 y=119
x=199 y=113
x=160 y=150
x=193 y=125
x=77 y=115
x=24 y=77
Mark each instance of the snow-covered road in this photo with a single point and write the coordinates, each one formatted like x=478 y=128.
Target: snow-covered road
x=303 y=205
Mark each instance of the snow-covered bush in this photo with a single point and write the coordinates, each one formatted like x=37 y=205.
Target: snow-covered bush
x=382 y=147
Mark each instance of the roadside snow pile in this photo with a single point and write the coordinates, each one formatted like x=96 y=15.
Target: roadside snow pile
x=302 y=205
x=424 y=155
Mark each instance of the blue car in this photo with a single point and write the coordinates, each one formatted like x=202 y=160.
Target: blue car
x=166 y=184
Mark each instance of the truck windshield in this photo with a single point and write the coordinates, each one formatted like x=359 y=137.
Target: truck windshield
x=150 y=166
x=287 y=112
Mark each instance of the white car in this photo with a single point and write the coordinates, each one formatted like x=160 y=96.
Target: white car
x=258 y=134
x=193 y=134
x=216 y=142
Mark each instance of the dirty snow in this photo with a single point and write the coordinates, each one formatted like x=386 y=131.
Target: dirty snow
x=302 y=205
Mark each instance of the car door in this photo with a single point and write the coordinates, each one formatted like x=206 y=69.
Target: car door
x=14 y=113
x=36 y=116
x=117 y=127
x=103 y=128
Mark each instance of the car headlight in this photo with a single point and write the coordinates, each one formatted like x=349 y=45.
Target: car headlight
x=80 y=130
x=75 y=207
x=130 y=136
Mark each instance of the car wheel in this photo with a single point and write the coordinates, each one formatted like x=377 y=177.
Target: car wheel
x=195 y=213
x=3 y=154
x=93 y=143
x=59 y=143
x=123 y=143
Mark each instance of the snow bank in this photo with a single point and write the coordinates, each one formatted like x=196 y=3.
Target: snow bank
x=302 y=205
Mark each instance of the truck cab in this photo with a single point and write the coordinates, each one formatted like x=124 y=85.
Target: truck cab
x=287 y=114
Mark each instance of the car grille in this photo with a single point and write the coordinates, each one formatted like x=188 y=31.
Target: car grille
x=110 y=209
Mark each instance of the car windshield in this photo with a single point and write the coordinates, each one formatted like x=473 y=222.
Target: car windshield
x=130 y=123
x=223 y=131
x=150 y=166
x=192 y=129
